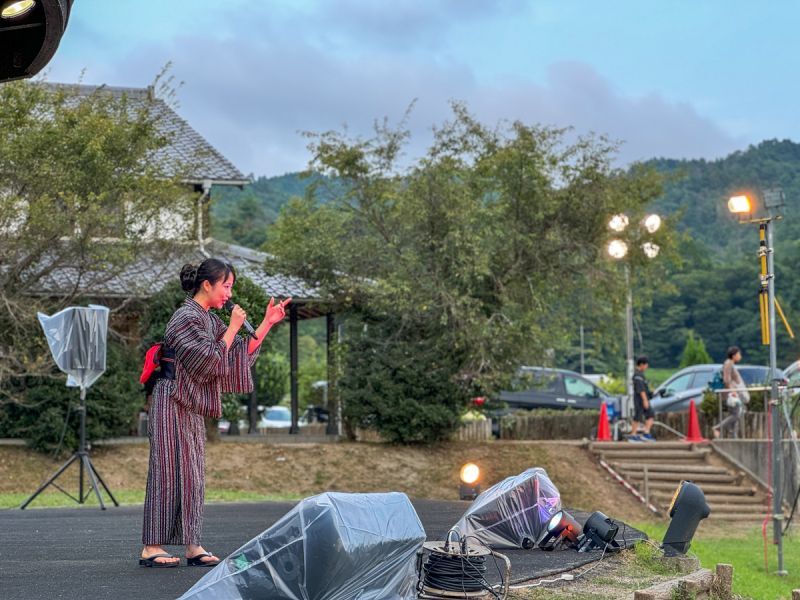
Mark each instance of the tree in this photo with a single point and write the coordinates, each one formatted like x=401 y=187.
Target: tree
x=460 y=264
x=694 y=353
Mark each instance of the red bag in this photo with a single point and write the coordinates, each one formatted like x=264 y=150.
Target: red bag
x=152 y=359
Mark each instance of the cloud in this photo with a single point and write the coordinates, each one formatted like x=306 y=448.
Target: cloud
x=251 y=95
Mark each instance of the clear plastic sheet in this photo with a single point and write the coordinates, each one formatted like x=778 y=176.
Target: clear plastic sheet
x=333 y=546
x=77 y=340
x=513 y=513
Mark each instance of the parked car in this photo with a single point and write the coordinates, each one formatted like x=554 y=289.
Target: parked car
x=792 y=373
x=675 y=394
x=277 y=417
x=539 y=387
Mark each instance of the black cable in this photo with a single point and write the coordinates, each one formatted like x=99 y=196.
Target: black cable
x=459 y=573
x=791 y=515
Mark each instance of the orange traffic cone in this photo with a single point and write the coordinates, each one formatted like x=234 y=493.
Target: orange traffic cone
x=693 y=435
x=603 y=430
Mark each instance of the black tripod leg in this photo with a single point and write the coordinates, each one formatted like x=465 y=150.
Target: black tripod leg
x=103 y=483
x=50 y=480
x=93 y=480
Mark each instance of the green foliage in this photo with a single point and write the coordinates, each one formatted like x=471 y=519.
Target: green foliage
x=271 y=374
x=614 y=385
x=112 y=405
x=694 y=353
x=481 y=251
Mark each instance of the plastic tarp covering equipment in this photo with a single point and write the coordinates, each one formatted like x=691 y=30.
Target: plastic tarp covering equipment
x=333 y=546
x=77 y=340
x=513 y=513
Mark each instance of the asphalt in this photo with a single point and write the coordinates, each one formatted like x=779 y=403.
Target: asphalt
x=86 y=553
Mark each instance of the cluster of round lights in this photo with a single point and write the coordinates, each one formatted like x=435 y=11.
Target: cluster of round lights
x=619 y=249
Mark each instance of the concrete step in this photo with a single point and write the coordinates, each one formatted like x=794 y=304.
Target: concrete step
x=630 y=467
x=640 y=454
x=678 y=476
x=740 y=499
x=594 y=446
x=737 y=508
x=753 y=517
x=666 y=486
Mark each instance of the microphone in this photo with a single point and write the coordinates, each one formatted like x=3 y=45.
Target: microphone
x=249 y=328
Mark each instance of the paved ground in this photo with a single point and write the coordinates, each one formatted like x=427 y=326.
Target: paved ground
x=86 y=553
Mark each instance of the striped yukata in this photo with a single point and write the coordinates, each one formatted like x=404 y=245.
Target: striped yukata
x=204 y=368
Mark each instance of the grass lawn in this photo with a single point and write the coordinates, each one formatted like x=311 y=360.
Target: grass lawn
x=745 y=551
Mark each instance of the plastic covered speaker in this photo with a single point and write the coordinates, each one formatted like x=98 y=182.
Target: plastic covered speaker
x=513 y=513
x=333 y=546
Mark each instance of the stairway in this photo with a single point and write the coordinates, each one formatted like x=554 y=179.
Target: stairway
x=728 y=492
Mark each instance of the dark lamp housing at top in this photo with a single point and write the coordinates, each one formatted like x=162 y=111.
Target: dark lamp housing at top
x=30 y=32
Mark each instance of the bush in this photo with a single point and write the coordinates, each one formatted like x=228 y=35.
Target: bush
x=112 y=405
x=398 y=383
x=694 y=353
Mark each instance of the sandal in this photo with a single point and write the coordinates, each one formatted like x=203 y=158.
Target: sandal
x=197 y=561
x=150 y=561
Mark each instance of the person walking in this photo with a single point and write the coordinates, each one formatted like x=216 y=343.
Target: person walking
x=209 y=359
x=643 y=410
x=736 y=395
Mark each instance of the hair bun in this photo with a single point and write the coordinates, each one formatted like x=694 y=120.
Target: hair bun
x=188 y=277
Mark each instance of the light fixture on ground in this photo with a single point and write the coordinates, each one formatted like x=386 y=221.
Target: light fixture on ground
x=762 y=209
x=599 y=532
x=470 y=486
x=30 y=32
x=561 y=528
x=687 y=509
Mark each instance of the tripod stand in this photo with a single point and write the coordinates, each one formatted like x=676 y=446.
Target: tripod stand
x=84 y=463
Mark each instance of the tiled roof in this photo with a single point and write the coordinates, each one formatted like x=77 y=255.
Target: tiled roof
x=151 y=274
x=186 y=145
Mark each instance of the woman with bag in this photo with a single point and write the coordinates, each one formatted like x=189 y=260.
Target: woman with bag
x=209 y=359
x=737 y=396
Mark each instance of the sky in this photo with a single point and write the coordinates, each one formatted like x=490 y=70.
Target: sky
x=675 y=79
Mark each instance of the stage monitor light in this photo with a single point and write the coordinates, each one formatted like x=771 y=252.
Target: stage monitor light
x=30 y=32
x=562 y=527
x=599 y=532
x=470 y=487
x=687 y=509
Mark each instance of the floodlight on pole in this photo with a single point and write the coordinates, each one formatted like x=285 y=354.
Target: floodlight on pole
x=652 y=223
x=739 y=205
x=617 y=249
x=650 y=249
x=618 y=223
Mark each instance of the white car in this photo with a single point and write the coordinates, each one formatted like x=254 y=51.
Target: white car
x=276 y=417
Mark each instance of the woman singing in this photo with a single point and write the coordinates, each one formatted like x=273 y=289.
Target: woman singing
x=210 y=359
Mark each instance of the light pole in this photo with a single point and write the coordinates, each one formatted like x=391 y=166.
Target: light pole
x=763 y=211
x=618 y=250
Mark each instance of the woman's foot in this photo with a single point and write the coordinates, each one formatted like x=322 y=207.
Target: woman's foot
x=149 y=552
x=198 y=555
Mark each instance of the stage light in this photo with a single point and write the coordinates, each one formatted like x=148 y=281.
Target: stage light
x=687 y=509
x=30 y=31
x=617 y=249
x=562 y=527
x=598 y=532
x=739 y=204
x=652 y=223
x=470 y=486
x=618 y=223
x=16 y=8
